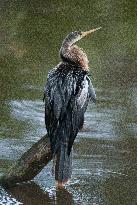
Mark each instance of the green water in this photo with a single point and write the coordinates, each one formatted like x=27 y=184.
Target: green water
x=105 y=154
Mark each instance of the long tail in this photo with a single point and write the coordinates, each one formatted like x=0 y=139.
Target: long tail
x=63 y=164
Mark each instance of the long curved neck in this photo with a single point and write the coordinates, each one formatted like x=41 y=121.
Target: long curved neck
x=73 y=54
x=65 y=52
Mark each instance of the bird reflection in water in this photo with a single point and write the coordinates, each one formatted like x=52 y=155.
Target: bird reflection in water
x=32 y=194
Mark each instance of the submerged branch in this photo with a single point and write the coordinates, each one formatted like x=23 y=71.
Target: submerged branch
x=29 y=165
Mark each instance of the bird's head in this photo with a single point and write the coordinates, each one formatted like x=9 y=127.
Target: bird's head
x=72 y=53
x=75 y=36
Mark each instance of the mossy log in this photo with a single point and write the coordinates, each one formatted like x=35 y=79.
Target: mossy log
x=29 y=165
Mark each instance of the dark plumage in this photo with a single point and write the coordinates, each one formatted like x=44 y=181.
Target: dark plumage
x=67 y=93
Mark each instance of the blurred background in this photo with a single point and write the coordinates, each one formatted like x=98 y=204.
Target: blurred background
x=105 y=154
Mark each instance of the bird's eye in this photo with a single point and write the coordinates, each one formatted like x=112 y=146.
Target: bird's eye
x=79 y=33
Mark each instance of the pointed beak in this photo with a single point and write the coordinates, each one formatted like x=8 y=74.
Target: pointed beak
x=90 y=31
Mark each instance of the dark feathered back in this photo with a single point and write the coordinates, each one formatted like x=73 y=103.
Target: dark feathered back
x=67 y=93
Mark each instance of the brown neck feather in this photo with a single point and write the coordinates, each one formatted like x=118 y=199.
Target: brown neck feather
x=76 y=55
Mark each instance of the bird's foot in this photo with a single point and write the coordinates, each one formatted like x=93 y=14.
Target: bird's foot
x=60 y=185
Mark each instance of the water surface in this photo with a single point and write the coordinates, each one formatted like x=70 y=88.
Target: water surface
x=105 y=152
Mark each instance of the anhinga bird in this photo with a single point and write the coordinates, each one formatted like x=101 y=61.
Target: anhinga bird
x=67 y=93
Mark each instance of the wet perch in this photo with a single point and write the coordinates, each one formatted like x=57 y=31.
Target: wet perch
x=29 y=165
